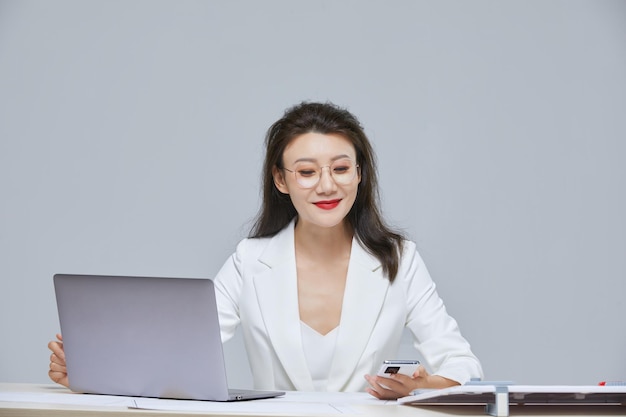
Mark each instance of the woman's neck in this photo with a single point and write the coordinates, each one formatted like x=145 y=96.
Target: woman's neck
x=323 y=242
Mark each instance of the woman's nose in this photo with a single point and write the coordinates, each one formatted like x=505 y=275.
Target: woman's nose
x=327 y=183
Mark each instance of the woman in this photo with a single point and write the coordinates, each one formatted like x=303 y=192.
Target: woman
x=323 y=288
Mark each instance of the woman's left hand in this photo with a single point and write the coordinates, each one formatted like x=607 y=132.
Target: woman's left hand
x=399 y=385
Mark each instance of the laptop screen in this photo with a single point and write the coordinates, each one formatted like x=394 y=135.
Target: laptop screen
x=142 y=336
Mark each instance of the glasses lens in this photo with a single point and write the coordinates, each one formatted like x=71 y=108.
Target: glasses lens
x=307 y=175
x=343 y=171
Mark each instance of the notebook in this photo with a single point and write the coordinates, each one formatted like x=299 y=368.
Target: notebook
x=144 y=336
x=499 y=397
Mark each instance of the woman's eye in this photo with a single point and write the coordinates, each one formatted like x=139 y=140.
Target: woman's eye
x=306 y=172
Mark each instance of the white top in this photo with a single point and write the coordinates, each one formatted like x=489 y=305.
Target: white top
x=318 y=350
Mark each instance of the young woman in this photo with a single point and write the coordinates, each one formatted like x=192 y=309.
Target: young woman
x=323 y=288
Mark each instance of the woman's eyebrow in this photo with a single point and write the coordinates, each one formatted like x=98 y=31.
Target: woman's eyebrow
x=342 y=156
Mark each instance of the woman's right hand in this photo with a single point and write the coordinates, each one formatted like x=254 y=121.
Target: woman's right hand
x=58 y=370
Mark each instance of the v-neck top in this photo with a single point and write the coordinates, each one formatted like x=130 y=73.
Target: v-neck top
x=319 y=351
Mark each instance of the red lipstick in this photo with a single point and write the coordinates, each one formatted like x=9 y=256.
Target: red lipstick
x=327 y=205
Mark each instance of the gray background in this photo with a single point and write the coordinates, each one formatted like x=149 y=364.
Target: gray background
x=131 y=143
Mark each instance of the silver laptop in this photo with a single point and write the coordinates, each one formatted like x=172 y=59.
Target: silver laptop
x=144 y=336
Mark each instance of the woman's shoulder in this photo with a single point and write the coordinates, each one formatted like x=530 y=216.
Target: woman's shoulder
x=257 y=245
x=252 y=244
x=408 y=248
x=411 y=262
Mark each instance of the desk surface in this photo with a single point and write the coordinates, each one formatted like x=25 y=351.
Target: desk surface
x=26 y=400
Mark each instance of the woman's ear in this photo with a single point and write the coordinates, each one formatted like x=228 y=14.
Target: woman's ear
x=279 y=180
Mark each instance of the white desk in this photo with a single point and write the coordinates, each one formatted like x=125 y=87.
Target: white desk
x=26 y=400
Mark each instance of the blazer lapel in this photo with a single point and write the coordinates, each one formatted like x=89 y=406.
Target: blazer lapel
x=366 y=288
x=277 y=293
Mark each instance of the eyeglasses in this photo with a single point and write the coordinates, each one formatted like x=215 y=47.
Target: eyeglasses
x=308 y=174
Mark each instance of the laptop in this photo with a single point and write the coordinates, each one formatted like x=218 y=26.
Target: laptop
x=145 y=337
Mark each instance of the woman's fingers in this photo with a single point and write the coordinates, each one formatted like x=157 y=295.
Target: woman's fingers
x=58 y=369
x=389 y=388
x=59 y=378
x=421 y=372
x=57 y=350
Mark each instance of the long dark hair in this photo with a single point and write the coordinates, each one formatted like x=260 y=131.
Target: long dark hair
x=364 y=216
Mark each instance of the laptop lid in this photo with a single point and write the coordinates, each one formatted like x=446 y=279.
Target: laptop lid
x=144 y=336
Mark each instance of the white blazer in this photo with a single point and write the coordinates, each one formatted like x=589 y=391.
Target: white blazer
x=257 y=289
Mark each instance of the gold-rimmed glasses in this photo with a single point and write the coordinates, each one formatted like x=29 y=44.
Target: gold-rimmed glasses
x=308 y=174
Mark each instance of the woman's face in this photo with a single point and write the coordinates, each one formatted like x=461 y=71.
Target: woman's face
x=331 y=158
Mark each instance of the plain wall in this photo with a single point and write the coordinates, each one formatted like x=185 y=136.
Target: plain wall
x=131 y=143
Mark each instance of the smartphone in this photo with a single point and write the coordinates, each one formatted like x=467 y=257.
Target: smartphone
x=398 y=366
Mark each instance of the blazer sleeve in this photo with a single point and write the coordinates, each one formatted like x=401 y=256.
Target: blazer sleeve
x=228 y=287
x=436 y=334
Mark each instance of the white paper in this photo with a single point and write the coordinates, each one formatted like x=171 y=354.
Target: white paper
x=66 y=398
x=252 y=406
x=293 y=402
